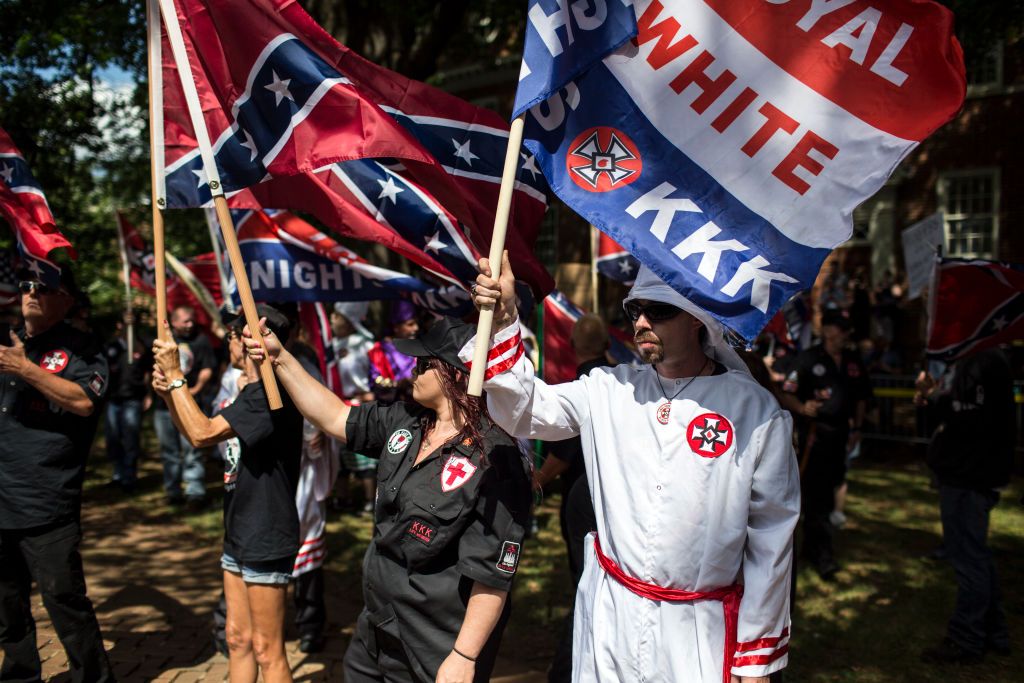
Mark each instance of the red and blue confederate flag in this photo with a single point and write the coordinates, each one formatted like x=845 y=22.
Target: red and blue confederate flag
x=976 y=305
x=560 y=315
x=23 y=204
x=306 y=124
x=614 y=262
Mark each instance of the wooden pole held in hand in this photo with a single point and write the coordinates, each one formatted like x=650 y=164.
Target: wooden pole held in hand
x=227 y=227
x=156 y=160
x=508 y=181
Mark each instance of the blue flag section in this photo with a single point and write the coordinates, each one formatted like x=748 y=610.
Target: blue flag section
x=287 y=259
x=694 y=136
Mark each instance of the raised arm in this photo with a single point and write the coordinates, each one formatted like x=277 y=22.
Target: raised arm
x=317 y=403
x=517 y=400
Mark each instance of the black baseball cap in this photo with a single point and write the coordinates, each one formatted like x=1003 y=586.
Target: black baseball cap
x=276 y=320
x=443 y=340
x=836 y=318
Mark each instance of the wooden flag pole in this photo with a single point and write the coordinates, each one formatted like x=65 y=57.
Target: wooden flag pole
x=595 y=241
x=220 y=202
x=508 y=181
x=156 y=161
x=126 y=271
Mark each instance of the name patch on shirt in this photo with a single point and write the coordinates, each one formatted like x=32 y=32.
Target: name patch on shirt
x=421 y=531
x=709 y=435
x=399 y=441
x=509 y=558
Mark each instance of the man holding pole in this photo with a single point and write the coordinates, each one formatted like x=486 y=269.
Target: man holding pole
x=695 y=487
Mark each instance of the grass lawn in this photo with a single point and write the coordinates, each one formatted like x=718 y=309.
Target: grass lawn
x=868 y=626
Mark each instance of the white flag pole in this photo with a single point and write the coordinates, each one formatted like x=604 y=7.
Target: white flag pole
x=227 y=227
x=212 y=224
x=508 y=180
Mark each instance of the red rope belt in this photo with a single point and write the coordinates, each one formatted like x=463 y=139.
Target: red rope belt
x=729 y=596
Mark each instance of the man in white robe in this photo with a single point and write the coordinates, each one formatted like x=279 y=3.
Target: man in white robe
x=694 y=483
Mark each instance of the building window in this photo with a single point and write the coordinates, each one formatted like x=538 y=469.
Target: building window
x=970 y=205
x=985 y=71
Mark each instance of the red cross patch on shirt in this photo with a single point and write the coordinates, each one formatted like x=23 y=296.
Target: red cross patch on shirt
x=709 y=435
x=456 y=472
x=54 y=361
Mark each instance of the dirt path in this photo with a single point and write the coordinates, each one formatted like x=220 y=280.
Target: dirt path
x=154 y=582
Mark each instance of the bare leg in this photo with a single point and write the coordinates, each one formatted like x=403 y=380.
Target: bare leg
x=266 y=606
x=370 y=489
x=840 y=498
x=238 y=631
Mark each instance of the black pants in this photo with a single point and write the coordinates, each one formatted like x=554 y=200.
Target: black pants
x=978 y=617
x=377 y=654
x=49 y=556
x=579 y=520
x=310 y=610
x=826 y=468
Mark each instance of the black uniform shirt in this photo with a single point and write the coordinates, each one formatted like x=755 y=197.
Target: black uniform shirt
x=457 y=517
x=43 y=447
x=838 y=388
x=128 y=379
x=261 y=522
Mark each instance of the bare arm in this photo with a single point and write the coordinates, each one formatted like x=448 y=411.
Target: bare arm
x=482 y=614
x=200 y=430
x=57 y=390
x=317 y=403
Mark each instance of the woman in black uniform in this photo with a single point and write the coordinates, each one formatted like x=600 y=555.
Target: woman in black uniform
x=453 y=497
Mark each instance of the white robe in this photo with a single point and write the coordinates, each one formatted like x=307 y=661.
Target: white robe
x=694 y=515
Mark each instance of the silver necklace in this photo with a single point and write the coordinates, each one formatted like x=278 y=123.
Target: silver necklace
x=665 y=409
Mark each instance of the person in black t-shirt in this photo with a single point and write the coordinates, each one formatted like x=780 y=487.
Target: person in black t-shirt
x=830 y=389
x=261 y=524
x=183 y=463
x=453 y=499
x=127 y=399
x=51 y=379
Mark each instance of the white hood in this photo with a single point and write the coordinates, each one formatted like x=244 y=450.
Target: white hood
x=649 y=287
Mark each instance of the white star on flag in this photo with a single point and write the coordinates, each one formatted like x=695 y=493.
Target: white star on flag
x=434 y=243
x=279 y=88
x=8 y=173
x=625 y=266
x=463 y=152
x=249 y=144
x=999 y=323
x=201 y=174
x=389 y=190
x=34 y=266
x=529 y=164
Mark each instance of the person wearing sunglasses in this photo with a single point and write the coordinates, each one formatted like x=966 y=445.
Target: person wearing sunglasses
x=453 y=501
x=695 y=488
x=52 y=378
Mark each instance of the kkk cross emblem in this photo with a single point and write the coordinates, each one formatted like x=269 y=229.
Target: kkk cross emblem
x=709 y=435
x=456 y=472
x=54 y=361
x=603 y=159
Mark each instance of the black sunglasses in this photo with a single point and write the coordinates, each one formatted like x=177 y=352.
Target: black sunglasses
x=423 y=363
x=654 y=312
x=26 y=287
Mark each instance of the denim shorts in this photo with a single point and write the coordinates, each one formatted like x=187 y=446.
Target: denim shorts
x=269 y=573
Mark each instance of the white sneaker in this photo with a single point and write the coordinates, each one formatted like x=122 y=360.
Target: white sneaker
x=837 y=519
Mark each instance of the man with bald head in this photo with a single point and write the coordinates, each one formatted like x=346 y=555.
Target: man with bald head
x=695 y=488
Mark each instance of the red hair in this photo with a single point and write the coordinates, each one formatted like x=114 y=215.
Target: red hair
x=471 y=410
